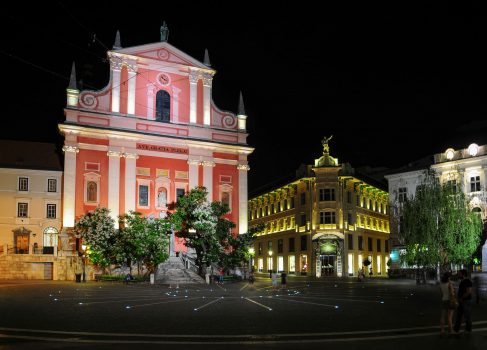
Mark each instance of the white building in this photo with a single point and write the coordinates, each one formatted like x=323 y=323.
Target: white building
x=30 y=203
x=465 y=167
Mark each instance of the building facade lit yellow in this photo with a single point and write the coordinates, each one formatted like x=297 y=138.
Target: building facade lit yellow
x=326 y=222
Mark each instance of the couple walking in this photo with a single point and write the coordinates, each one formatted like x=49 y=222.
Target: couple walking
x=459 y=301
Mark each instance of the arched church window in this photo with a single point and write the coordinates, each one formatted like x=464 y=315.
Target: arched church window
x=163 y=106
x=50 y=237
x=161 y=197
x=91 y=191
x=226 y=198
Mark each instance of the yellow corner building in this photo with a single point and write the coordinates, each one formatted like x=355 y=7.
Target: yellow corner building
x=331 y=221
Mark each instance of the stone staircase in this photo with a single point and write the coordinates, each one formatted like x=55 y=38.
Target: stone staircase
x=172 y=272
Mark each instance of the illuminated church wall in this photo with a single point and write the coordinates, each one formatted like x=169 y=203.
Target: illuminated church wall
x=150 y=134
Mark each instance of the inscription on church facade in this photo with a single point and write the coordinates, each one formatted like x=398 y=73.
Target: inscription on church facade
x=156 y=148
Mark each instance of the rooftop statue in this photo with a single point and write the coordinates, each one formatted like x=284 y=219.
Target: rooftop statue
x=326 y=148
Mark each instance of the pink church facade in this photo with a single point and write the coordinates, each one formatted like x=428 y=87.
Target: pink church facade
x=151 y=135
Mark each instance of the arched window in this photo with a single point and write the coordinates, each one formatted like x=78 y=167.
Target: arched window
x=50 y=237
x=161 y=197
x=91 y=191
x=226 y=198
x=163 y=106
x=477 y=211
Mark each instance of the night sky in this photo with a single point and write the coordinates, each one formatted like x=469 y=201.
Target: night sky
x=391 y=84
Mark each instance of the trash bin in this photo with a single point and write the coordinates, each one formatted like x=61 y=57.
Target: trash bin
x=78 y=278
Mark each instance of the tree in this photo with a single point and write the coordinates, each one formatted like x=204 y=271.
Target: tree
x=142 y=239
x=97 y=229
x=204 y=228
x=239 y=254
x=438 y=226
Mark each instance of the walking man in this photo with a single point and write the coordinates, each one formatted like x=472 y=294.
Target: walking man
x=464 y=303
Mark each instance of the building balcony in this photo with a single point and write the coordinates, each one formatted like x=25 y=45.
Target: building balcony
x=32 y=249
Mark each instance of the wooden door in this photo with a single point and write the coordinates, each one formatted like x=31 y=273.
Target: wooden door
x=22 y=244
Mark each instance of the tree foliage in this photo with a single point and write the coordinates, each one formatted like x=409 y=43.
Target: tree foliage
x=139 y=238
x=143 y=239
x=97 y=229
x=438 y=225
x=205 y=229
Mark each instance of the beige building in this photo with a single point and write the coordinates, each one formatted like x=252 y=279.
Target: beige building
x=326 y=222
x=30 y=207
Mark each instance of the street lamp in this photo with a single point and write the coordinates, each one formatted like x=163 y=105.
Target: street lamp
x=269 y=263
x=83 y=260
x=251 y=259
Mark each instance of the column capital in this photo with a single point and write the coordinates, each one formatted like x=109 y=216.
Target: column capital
x=194 y=162
x=132 y=67
x=68 y=148
x=129 y=155
x=116 y=63
x=208 y=163
x=114 y=154
x=244 y=167
x=194 y=76
x=207 y=79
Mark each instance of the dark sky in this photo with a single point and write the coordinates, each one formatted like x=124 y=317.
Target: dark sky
x=392 y=84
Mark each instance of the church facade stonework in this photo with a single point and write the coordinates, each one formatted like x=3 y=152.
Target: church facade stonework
x=152 y=134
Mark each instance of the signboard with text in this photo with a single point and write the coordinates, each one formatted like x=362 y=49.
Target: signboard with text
x=156 y=148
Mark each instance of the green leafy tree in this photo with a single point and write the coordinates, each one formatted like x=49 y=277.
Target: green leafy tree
x=97 y=229
x=205 y=229
x=438 y=226
x=143 y=239
x=239 y=254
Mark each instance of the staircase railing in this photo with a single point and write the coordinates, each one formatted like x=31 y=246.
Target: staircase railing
x=189 y=263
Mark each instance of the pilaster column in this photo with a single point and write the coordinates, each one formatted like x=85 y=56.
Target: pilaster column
x=193 y=173
x=114 y=184
x=193 y=94
x=132 y=73
x=462 y=181
x=207 y=79
x=69 y=203
x=116 y=68
x=242 y=198
x=208 y=177
x=130 y=181
x=150 y=101
x=175 y=104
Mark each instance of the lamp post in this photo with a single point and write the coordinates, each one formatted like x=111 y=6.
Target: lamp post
x=251 y=260
x=83 y=260
x=251 y=255
x=271 y=264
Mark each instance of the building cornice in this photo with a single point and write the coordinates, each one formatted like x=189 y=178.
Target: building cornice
x=138 y=136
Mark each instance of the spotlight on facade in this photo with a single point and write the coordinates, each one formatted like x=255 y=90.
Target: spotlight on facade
x=449 y=153
x=473 y=149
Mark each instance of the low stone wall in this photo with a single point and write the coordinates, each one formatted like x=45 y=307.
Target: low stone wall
x=38 y=266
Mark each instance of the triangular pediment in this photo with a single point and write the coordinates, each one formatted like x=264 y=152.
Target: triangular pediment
x=162 y=51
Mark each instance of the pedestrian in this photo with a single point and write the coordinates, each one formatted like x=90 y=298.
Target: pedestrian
x=361 y=275
x=448 y=303
x=371 y=272
x=251 y=277
x=222 y=273
x=464 y=307
x=283 y=279
x=274 y=280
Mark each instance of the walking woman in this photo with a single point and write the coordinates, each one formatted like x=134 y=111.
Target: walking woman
x=448 y=303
